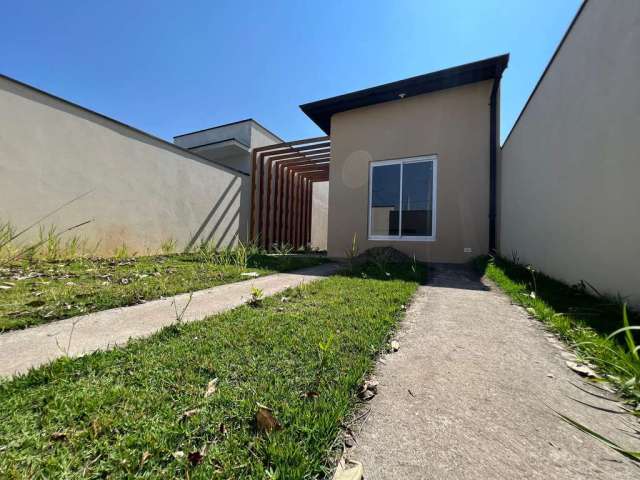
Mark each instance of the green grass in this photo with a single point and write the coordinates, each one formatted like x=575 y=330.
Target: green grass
x=39 y=291
x=120 y=414
x=582 y=319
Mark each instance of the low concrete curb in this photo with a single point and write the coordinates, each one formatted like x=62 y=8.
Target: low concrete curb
x=23 y=349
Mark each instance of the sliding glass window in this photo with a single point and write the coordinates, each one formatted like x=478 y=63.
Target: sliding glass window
x=402 y=199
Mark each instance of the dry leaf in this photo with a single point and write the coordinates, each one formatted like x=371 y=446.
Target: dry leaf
x=583 y=370
x=145 y=456
x=188 y=414
x=265 y=421
x=351 y=471
x=368 y=389
x=58 y=436
x=211 y=388
x=195 y=458
x=222 y=429
x=310 y=394
x=395 y=345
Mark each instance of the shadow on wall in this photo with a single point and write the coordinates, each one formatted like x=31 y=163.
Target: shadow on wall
x=224 y=216
x=147 y=189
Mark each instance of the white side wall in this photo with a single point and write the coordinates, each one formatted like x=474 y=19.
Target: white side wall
x=569 y=173
x=143 y=190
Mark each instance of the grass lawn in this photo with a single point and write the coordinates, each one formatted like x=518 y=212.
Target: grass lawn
x=582 y=319
x=34 y=292
x=142 y=411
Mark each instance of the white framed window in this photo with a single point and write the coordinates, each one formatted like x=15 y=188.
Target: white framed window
x=402 y=199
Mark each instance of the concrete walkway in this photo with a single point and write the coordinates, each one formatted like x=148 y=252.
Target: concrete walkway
x=23 y=349
x=467 y=396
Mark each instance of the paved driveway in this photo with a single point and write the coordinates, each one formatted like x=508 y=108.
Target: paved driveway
x=467 y=396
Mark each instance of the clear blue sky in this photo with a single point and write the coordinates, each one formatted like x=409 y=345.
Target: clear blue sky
x=173 y=67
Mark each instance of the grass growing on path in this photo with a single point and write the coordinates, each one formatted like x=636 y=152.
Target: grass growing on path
x=34 y=292
x=142 y=410
x=585 y=321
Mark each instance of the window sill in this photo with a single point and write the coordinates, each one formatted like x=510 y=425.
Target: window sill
x=401 y=239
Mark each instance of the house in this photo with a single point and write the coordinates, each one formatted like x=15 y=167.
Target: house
x=414 y=164
x=228 y=144
x=410 y=164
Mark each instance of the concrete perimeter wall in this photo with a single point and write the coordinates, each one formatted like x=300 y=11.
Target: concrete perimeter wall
x=569 y=172
x=142 y=190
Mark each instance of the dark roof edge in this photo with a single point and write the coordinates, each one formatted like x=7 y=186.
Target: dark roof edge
x=234 y=140
x=122 y=124
x=426 y=83
x=546 y=69
x=255 y=122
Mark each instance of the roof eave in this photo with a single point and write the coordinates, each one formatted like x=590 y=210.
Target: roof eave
x=321 y=111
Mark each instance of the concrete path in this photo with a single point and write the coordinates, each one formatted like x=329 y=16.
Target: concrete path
x=23 y=349
x=467 y=396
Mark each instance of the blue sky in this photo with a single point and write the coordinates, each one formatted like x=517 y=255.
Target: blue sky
x=173 y=67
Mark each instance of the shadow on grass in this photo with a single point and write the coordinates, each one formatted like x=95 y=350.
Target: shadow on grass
x=408 y=272
x=584 y=304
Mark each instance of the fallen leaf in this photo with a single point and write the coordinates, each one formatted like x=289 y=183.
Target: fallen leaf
x=349 y=439
x=188 y=414
x=395 y=345
x=265 y=421
x=581 y=369
x=310 y=394
x=222 y=429
x=349 y=470
x=368 y=389
x=145 y=456
x=195 y=458
x=58 y=436
x=211 y=388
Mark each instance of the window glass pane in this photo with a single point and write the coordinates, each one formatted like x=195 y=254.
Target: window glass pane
x=385 y=199
x=417 y=198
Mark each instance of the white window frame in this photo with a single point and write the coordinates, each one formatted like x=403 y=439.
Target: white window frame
x=403 y=161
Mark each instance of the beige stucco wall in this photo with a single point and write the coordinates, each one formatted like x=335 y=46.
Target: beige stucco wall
x=454 y=125
x=143 y=191
x=319 y=215
x=570 y=201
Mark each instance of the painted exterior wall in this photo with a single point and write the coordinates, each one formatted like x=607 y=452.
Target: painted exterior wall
x=143 y=190
x=453 y=124
x=319 y=215
x=569 y=171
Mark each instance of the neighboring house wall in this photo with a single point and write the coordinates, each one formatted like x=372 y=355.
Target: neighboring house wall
x=229 y=144
x=451 y=123
x=143 y=190
x=319 y=215
x=568 y=180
